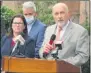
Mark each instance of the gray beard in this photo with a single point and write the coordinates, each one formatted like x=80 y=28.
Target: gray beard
x=61 y=24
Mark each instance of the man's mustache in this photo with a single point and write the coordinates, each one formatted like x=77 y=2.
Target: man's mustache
x=60 y=20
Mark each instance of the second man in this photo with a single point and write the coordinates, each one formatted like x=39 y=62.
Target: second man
x=36 y=29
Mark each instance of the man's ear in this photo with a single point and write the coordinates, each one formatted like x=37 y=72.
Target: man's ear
x=69 y=15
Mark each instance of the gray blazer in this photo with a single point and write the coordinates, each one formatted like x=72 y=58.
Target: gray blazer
x=75 y=47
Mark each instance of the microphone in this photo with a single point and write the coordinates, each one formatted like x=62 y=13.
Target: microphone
x=22 y=34
x=17 y=44
x=58 y=47
x=50 y=42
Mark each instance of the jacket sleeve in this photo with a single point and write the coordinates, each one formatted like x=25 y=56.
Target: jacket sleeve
x=3 y=39
x=39 y=41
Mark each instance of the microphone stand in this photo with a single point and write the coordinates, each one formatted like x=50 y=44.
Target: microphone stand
x=55 y=53
x=17 y=52
x=14 y=49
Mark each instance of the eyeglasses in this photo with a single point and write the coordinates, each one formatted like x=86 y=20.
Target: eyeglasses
x=18 y=23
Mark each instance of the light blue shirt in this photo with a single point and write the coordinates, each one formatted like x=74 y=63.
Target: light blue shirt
x=29 y=26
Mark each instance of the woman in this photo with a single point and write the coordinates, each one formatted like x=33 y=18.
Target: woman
x=16 y=42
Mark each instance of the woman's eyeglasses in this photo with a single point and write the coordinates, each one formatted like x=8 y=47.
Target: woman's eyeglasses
x=18 y=23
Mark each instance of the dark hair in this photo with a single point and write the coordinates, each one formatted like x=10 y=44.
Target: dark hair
x=10 y=32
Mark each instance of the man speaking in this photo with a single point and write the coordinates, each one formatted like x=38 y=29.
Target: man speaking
x=72 y=36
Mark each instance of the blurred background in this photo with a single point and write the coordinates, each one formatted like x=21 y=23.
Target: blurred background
x=79 y=10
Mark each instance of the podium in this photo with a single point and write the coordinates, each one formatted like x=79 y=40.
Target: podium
x=30 y=65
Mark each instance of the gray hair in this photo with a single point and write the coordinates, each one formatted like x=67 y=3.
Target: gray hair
x=29 y=4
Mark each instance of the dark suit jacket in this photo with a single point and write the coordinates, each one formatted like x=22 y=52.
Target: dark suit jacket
x=28 y=49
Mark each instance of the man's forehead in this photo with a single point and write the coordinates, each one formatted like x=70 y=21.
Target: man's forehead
x=59 y=9
x=28 y=9
x=60 y=6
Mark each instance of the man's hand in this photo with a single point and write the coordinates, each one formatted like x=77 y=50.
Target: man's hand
x=48 y=47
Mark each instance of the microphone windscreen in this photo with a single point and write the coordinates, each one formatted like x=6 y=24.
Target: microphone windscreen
x=53 y=37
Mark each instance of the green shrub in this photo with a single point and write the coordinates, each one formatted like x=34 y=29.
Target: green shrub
x=6 y=15
x=44 y=10
x=86 y=25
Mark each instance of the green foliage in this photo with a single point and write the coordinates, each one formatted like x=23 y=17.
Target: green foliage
x=44 y=10
x=86 y=25
x=6 y=15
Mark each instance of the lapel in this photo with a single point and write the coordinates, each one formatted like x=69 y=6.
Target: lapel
x=27 y=40
x=53 y=29
x=68 y=31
